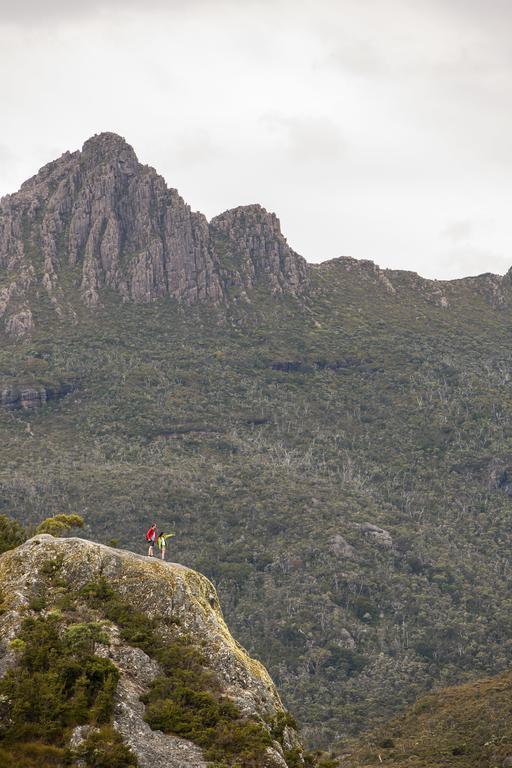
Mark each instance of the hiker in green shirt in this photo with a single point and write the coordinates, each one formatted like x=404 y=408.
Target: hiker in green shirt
x=162 y=538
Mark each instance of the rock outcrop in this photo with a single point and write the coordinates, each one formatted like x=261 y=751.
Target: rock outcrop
x=182 y=602
x=26 y=398
x=377 y=535
x=98 y=219
x=252 y=250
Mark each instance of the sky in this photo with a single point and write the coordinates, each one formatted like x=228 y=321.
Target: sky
x=377 y=129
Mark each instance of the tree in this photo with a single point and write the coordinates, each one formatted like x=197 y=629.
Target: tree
x=83 y=638
x=12 y=534
x=60 y=524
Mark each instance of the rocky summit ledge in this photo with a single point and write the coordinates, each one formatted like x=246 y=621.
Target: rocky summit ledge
x=181 y=602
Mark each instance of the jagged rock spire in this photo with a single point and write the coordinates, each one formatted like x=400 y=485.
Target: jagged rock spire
x=116 y=224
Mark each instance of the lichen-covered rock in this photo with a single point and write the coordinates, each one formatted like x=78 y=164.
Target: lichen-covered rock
x=341 y=547
x=178 y=599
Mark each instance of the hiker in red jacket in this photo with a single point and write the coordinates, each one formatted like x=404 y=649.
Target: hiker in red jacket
x=151 y=538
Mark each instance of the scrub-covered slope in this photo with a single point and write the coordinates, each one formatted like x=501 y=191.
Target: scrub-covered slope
x=102 y=649
x=466 y=726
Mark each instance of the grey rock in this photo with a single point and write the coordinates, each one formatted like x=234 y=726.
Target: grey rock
x=152 y=748
x=251 y=249
x=78 y=737
x=19 y=324
x=346 y=639
x=181 y=601
x=379 y=535
x=341 y=547
x=119 y=225
x=27 y=398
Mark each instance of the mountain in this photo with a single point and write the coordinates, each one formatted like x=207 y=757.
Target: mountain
x=332 y=444
x=467 y=725
x=90 y=634
x=99 y=219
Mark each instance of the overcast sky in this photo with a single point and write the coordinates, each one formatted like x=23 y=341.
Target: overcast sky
x=379 y=129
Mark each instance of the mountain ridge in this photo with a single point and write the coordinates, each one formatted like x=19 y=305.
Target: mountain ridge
x=98 y=220
x=107 y=222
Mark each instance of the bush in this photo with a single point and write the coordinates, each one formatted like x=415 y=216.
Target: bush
x=57 y=685
x=105 y=749
x=60 y=524
x=12 y=534
x=186 y=699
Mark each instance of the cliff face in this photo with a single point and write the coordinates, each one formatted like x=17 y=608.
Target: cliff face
x=252 y=250
x=99 y=219
x=179 y=602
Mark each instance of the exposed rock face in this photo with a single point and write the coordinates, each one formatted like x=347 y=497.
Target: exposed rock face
x=163 y=591
x=110 y=222
x=252 y=250
x=378 y=535
x=27 y=398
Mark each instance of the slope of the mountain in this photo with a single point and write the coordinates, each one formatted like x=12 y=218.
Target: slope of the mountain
x=90 y=633
x=337 y=459
x=98 y=219
x=466 y=726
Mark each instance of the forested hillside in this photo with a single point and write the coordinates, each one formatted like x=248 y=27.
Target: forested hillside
x=337 y=458
x=465 y=726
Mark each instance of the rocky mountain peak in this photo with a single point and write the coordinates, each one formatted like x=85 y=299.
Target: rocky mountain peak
x=97 y=219
x=252 y=250
x=105 y=147
x=111 y=150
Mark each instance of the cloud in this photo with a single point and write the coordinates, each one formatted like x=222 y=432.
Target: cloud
x=358 y=57
x=9 y=163
x=380 y=130
x=33 y=12
x=469 y=259
x=307 y=138
x=457 y=231
x=30 y=13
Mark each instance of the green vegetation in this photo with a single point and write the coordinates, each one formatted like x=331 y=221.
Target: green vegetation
x=186 y=699
x=57 y=684
x=59 y=524
x=264 y=432
x=104 y=748
x=469 y=725
x=12 y=534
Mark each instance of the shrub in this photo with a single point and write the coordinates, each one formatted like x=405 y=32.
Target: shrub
x=58 y=684
x=12 y=534
x=59 y=524
x=105 y=749
x=186 y=699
